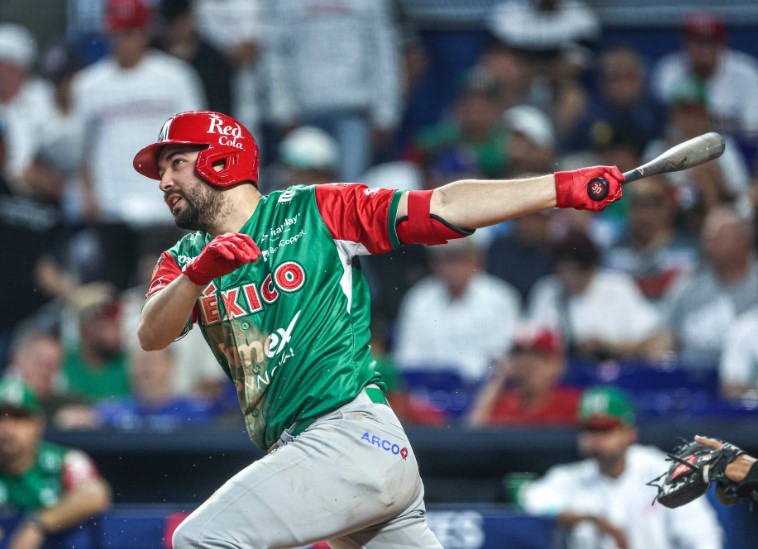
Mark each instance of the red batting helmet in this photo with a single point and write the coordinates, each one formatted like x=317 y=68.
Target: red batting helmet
x=226 y=142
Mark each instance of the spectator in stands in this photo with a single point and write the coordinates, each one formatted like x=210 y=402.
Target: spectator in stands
x=569 y=93
x=652 y=250
x=152 y=404
x=180 y=37
x=531 y=147
x=598 y=313
x=320 y=54
x=237 y=29
x=28 y=230
x=603 y=501
x=730 y=77
x=307 y=156
x=738 y=367
x=460 y=318
x=55 y=490
x=625 y=99
x=620 y=143
x=121 y=99
x=26 y=102
x=726 y=179
x=57 y=165
x=522 y=255
x=95 y=367
x=36 y=359
x=514 y=76
x=544 y=26
x=525 y=388
x=700 y=309
x=548 y=33
x=475 y=138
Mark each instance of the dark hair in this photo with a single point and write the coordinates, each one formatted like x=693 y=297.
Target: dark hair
x=170 y=10
x=576 y=247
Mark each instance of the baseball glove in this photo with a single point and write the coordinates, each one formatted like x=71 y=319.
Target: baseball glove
x=693 y=467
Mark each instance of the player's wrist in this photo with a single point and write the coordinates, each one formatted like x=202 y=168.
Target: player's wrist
x=198 y=279
x=564 y=183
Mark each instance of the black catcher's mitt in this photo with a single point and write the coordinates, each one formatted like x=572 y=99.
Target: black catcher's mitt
x=693 y=467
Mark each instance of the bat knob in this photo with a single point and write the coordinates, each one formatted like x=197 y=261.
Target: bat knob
x=597 y=189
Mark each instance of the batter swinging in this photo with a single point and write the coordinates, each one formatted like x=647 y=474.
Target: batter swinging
x=273 y=283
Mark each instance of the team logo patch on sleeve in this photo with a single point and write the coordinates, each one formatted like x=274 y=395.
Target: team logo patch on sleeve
x=385 y=445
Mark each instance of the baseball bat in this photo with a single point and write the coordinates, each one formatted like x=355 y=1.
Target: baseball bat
x=688 y=154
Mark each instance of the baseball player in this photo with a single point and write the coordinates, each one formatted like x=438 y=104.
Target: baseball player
x=274 y=284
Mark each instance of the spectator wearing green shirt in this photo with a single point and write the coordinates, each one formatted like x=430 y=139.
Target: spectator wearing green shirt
x=473 y=143
x=55 y=490
x=95 y=367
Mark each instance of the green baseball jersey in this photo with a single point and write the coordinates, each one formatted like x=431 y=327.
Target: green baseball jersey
x=55 y=471
x=291 y=330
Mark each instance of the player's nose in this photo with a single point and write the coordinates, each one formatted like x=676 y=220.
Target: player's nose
x=167 y=182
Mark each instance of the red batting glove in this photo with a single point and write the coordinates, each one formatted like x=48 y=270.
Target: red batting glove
x=222 y=255
x=573 y=188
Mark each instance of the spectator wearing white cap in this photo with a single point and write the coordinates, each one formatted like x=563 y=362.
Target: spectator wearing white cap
x=307 y=156
x=311 y=155
x=532 y=141
x=26 y=102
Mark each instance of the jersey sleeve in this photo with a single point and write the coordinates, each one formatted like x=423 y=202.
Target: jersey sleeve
x=165 y=272
x=77 y=468
x=358 y=213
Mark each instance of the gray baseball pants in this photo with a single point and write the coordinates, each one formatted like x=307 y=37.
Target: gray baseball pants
x=351 y=479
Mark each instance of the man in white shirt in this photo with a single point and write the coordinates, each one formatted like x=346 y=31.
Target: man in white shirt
x=603 y=501
x=26 y=102
x=730 y=76
x=121 y=99
x=738 y=369
x=600 y=313
x=460 y=318
x=335 y=64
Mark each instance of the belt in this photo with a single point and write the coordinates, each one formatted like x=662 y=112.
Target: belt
x=375 y=395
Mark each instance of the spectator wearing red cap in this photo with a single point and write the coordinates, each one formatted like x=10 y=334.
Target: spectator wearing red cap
x=730 y=76
x=525 y=388
x=121 y=99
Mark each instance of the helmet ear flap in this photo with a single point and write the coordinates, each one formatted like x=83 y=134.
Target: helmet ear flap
x=209 y=159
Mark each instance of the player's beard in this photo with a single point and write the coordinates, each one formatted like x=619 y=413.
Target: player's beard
x=203 y=207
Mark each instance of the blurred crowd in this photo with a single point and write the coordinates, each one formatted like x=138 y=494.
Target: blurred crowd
x=497 y=323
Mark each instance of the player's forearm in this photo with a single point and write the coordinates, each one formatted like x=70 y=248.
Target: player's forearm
x=475 y=203
x=165 y=314
x=79 y=504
